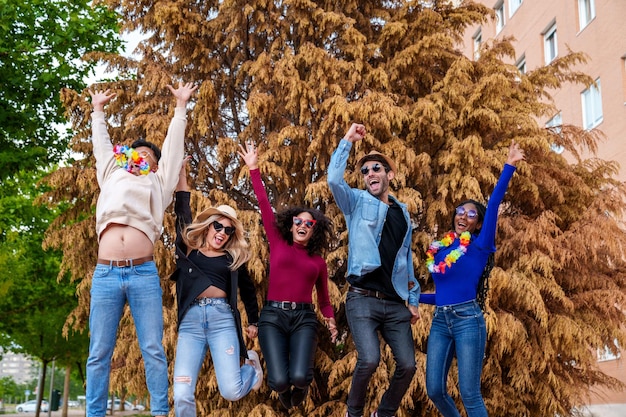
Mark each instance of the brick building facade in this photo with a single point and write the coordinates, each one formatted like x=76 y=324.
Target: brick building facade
x=544 y=30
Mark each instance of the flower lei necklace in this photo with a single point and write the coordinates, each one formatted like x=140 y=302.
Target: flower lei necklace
x=124 y=154
x=450 y=258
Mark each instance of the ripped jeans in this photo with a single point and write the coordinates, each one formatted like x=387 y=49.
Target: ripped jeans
x=209 y=326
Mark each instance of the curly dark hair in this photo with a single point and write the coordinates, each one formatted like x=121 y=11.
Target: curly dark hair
x=322 y=230
x=482 y=288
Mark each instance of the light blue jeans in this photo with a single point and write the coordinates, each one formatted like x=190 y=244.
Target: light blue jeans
x=210 y=325
x=111 y=288
x=457 y=330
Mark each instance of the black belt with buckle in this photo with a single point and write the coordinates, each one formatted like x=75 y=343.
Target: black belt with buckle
x=289 y=305
x=121 y=263
x=367 y=293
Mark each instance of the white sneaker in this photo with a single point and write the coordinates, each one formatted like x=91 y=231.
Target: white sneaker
x=253 y=359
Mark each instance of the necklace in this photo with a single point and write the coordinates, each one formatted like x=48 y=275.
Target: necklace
x=450 y=258
x=126 y=158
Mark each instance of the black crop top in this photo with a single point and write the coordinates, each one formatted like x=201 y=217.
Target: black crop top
x=215 y=269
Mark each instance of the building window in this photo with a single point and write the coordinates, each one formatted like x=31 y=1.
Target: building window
x=478 y=41
x=591 y=100
x=586 y=12
x=607 y=355
x=624 y=78
x=521 y=64
x=556 y=126
x=500 y=21
x=513 y=6
x=550 y=48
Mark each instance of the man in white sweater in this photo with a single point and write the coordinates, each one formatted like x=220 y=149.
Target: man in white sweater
x=136 y=186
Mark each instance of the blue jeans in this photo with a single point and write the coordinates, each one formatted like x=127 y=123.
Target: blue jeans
x=211 y=326
x=288 y=340
x=457 y=330
x=111 y=288
x=366 y=317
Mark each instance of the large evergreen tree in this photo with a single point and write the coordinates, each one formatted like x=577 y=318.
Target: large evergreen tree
x=293 y=75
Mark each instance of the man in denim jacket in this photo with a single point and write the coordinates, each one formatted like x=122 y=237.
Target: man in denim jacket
x=383 y=294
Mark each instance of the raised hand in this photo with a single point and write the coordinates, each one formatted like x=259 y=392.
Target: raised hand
x=355 y=133
x=99 y=98
x=515 y=154
x=182 y=176
x=249 y=154
x=182 y=93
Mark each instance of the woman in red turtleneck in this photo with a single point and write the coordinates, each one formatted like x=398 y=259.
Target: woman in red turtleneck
x=288 y=322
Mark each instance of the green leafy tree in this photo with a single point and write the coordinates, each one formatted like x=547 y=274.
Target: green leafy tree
x=9 y=388
x=40 y=45
x=34 y=306
x=292 y=76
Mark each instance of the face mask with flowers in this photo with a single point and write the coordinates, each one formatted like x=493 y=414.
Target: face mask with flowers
x=127 y=158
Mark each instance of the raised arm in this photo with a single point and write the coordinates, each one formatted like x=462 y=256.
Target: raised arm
x=336 y=169
x=182 y=208
x=486 y=238
x=100 y=139
x=250 y=155
x=173 y=149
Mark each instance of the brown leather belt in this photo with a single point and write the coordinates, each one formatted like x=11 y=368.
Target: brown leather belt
x=367 y=293
x=125 y=262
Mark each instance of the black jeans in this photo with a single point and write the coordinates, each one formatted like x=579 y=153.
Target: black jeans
x=288 y=340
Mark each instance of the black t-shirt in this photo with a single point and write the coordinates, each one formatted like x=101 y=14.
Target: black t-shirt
x=394 y=230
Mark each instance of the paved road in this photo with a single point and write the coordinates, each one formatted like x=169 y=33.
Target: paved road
x=71 y=412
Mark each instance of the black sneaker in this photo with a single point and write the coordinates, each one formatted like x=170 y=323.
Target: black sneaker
x=285 y=399
x=298 y=395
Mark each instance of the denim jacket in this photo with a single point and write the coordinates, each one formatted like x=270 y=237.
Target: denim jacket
x=365 y=217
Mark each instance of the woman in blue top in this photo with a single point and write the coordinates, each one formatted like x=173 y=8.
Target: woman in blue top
x=457 y=263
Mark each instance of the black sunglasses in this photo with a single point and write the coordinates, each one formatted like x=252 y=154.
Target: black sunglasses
x=375 y=168
x=229 y=230
x=471 y=214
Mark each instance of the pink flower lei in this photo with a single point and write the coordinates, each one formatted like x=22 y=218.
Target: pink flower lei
x=124 y=154
x=450 y=258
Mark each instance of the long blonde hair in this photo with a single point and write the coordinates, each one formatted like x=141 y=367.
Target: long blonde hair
x=195 y=234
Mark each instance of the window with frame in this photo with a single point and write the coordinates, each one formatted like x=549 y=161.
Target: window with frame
x=513 y=6
x=478 y=41
x=556 y=126
x=591 y=100
x=521 y=64
x=500 y=17
x=550 y=45
x=586 y=13
x=607 y=354
x=624 y=77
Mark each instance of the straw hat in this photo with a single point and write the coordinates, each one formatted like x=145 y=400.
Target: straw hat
x=377 y=156
x=224 y=211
